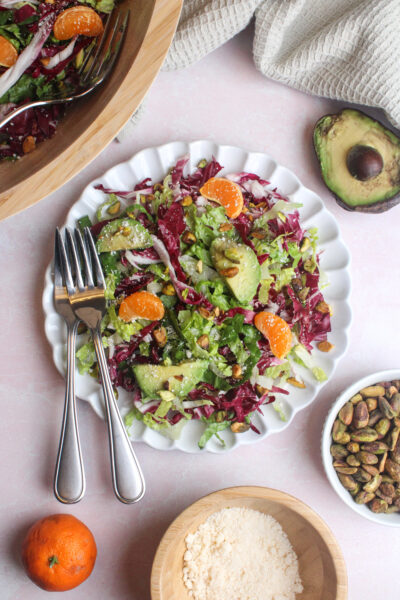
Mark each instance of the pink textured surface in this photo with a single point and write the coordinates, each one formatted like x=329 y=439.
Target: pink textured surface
x=223 y=98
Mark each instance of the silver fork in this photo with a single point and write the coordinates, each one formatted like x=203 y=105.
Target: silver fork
x=69 y=478
x=87 y=299
x=96 y=67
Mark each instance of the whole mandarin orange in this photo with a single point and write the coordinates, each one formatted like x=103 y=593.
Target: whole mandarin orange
x=58 y=552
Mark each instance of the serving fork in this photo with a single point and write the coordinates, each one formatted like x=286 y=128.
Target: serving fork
x=85 y=286
x=95 y=68
x=69 y=478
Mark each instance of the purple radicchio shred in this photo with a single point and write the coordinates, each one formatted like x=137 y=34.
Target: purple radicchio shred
x=171 y=223
x=133 y=284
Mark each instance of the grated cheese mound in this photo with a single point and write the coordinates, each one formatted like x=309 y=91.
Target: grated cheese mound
x=240 y=554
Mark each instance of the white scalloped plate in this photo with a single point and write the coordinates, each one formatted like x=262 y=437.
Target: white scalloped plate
x=154 y=163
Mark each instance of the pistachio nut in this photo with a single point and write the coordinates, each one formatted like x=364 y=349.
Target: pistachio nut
x=380 y=494
x=347 y=482
x=239 y=427
x=392 y=469
x=392 y=509
x=338 y=430
x=346 y=470
x=382 y=462
x=371 y=470
x=374 y=417
x=372 y=391
x=364 y=435
x=395 y=454
x=372 y=404
x=352 y=461
x=387 y=479
x=361 y=415
x=391 y=391
x=362 y=476
x=397 y=502
x=339 y=463
x=387 y=489
x=363 y=497
x=395 y=404
x=339 y=451
x=353 y=447
x=373 y=484
x=367 y=458
x=344 y=438
x=356 y=398
x=233 y=254
x=382 y=427
x=378 y=506
x=393 y=437
x=375 y=447
x=385 y=408
x=356 y=489
x=346 y=413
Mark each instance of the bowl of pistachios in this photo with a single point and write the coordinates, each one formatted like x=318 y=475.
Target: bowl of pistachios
x=361 y=447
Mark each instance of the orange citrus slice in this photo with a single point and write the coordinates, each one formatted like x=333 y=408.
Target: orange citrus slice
x=77 y=20
x=143 y=305
x=8 y=53
x=225 y=192
x=277 y=332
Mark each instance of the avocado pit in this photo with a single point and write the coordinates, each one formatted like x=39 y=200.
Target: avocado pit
x=364 y=162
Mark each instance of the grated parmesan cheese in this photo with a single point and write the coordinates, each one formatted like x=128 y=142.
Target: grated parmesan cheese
x=240 y=554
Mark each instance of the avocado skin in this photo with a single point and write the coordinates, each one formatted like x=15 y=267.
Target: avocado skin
x=392 y=196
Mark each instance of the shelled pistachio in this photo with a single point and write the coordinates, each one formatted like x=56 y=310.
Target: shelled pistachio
x=365 y=446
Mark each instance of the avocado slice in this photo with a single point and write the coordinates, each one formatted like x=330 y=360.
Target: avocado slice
x=359 y=160
x=123 y=234
x=238 y=265
x=179 y=379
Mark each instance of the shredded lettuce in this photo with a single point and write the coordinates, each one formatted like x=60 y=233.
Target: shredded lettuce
x=211 y=429
x=304 y=358
x=86 y=358
x=124 y=330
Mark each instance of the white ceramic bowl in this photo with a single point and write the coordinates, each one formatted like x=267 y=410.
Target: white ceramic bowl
x=392 y=520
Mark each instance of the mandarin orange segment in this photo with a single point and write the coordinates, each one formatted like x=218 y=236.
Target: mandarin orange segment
x=143 y=305
x=225 y=192
x=8 y=53
x=277 y=332
x=77 y=20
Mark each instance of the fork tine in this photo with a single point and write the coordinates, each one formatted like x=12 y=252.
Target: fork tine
x=96 y=49
x=95 y=259
x=86 y=260
x=65 y=269
x=58 y=275
x=106 y=54
x=75 y=261
x=118 y=38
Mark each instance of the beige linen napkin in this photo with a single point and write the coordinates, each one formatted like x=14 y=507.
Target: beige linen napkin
x=342 y=49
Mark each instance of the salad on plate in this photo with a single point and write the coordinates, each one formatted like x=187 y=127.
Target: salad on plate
x=42 y=45
x=214 y=298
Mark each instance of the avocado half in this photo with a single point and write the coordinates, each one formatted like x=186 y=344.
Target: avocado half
x=359 y=160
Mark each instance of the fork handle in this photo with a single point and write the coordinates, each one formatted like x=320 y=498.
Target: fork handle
x=127 y=477
x=69 y=478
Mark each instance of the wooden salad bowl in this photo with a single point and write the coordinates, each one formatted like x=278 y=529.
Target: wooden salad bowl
x=321 y=564
x=93 y=122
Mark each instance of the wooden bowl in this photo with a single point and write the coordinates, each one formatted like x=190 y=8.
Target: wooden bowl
x=91 y=123
x=321 y=564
